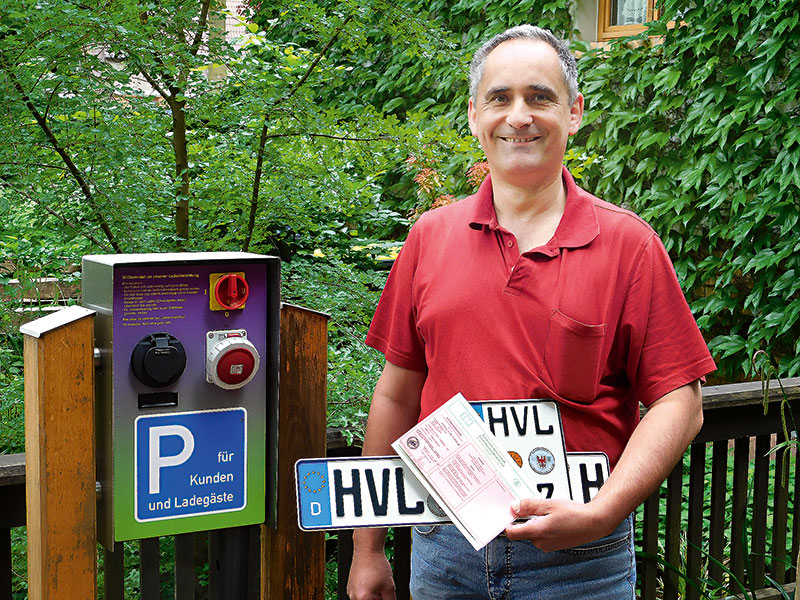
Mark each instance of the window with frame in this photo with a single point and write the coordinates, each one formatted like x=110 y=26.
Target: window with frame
x=618 y=18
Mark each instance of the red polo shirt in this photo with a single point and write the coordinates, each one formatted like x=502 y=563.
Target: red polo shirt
x=594 y=319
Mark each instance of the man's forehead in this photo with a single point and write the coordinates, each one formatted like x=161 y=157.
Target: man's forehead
x=523 y=47
x=522 y=57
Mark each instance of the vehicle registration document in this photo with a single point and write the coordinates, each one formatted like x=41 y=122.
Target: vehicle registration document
x=461 y=464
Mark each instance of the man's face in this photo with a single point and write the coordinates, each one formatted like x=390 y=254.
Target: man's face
x=521 y=114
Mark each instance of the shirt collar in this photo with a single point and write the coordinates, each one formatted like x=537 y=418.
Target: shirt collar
x=578 y=226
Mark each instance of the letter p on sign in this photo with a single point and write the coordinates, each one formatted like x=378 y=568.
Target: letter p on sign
x=157 y=461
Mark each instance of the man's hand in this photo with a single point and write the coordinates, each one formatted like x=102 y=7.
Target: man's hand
x=370 y=577
x=558 y=524
x=657 y=444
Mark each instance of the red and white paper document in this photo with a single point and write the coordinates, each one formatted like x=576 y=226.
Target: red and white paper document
x=461 y=464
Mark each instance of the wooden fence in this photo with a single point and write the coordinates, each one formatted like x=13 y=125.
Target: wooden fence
x=243 y=563
x=726 y=509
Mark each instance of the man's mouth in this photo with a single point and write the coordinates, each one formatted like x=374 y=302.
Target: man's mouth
x=519 y=140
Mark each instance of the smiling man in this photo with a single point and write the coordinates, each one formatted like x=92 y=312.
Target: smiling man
x=534 y=288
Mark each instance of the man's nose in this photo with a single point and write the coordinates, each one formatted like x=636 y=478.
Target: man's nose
x=519 y=114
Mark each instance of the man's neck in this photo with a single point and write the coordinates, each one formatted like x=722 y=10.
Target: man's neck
x=532 y=215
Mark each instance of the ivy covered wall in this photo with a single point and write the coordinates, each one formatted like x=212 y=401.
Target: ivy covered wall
x=700 y=135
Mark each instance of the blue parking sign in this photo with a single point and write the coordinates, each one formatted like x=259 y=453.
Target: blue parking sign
x=190 y=463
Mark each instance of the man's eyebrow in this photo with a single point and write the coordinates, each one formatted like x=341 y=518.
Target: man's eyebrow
x=545 y=89
x=534 y=87
x=500 y=89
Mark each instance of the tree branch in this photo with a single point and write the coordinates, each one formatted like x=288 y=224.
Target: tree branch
x=342 y=138
x=34 y=164
x=315 y=62
x=265 y=135
x=194 y=48
x=154 y=84
x=71 y=167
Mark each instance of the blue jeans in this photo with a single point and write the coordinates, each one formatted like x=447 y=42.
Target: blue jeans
x=444 y=566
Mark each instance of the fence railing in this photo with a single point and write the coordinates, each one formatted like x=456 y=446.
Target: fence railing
x=725 y=514
x=727 y=511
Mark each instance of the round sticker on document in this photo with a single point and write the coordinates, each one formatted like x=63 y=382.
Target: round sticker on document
x=542 y=461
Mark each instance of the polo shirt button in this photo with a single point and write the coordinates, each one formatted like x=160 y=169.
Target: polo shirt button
x=510 y=243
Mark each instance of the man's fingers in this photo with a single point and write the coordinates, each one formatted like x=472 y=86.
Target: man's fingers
x=529 y=506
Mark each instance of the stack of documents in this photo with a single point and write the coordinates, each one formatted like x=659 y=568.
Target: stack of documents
x=461 y=464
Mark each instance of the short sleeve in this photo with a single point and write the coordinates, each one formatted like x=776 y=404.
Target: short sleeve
x=666 y=349
x=393 y=331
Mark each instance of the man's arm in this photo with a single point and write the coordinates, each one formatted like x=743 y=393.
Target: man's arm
x=394 y=410
x=657 y=443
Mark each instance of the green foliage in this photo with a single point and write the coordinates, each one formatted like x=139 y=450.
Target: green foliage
x=19 y=563
x=338 y=121
x=352 y=292
x=410 y=61
x=302 y=146
x=699 y=135
x=401 y=58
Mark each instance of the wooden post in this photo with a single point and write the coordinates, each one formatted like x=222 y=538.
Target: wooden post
x=60 y=455
x=797 y=570
x=292 y=561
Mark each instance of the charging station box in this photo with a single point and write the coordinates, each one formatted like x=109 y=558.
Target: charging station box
x=187 y=390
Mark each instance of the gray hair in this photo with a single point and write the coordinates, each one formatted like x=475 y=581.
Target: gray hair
x=569 y=68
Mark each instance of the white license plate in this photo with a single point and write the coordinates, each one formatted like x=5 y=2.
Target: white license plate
x=344 y=493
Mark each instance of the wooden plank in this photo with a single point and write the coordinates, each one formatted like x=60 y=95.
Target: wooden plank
x=793 y=574
x=5 y=563
x=738 y=394
x=12 y=499
x=758 y=534
x=742 y=420
x=253 y=563
x=12 y=469
x=672 y=544
x=12 y=490
x=697 y=464
x=227 y=571
x=149 y=569
x=293 y=562
x=184 y=567
x=649 y=573
x=401 y=566
x=741 y=467
x=60 y=451
x=114 y=572
x=719 y=493
x=780 y=517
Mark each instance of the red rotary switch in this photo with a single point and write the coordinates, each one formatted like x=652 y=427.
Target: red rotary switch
x=231 y=360
x=231 y=291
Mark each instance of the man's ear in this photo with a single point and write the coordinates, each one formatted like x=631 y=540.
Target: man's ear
x=471 y=117
x=576 y=115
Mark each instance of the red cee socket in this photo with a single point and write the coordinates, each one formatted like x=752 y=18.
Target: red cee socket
x=231 y=291
x=235 y=366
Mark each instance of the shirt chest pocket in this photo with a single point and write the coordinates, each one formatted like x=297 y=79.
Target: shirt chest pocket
x=571 y=365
